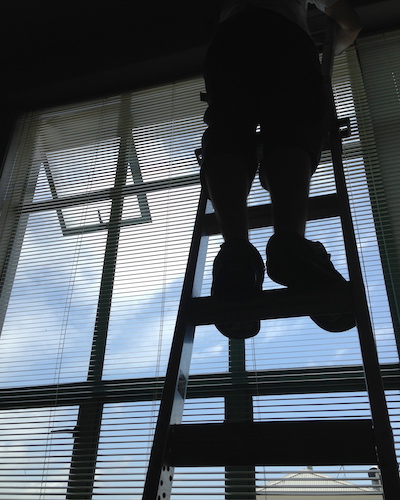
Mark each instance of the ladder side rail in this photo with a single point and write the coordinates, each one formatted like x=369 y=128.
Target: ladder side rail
x=383 y=431
x=384 y=440
x=159 y=476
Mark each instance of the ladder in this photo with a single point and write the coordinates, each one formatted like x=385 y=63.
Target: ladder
x=239 y=443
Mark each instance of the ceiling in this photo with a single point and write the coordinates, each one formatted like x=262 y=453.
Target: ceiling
x=62 y=45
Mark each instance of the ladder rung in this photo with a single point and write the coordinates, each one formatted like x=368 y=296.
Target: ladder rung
x=322 y=442
x=271 y=304
x=319 y=207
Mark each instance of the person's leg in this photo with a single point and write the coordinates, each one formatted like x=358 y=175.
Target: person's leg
x=292 y=260
x=238 y=269
x=228 y=168
x=229 y=160
x=228 y=180
x=287 y=173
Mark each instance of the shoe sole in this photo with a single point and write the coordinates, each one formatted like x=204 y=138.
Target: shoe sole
x=233 y=280
x=300 y=273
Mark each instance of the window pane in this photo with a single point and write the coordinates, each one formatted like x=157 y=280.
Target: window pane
x=150 y=270
x=124 y=450
x=36 y=447
x=48 y=328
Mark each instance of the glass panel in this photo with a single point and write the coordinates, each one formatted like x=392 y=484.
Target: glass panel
x=198 y=483
x=203 y=410
x=48 y=328
x=167 y=149
x=124 y=449
x=344 y=483
x=82 y=170
x=81 y=218
x=36 y=447
x=150 y=270
x=336 y=406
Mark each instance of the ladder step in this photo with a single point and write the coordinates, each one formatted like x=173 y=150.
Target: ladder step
x=298 y=443
x=271 y=304
x=319 y=207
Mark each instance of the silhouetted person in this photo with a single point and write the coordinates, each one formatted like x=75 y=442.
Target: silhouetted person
x=262 y=69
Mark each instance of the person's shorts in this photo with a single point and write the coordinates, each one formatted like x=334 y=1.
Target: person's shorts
x=262 y=72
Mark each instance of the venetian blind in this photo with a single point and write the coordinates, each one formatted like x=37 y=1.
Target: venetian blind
x=99 y=201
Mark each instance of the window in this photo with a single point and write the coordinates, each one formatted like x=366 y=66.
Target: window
x=99 y=200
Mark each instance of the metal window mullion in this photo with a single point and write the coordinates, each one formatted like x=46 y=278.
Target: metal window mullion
x=344 y=379
x=240 y=481
x=136 y=189
x=87 y=435
x=138 y=179
x=111 y=249
x=54 y=194
x=84 y=452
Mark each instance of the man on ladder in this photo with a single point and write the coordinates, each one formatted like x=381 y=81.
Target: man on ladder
x=262 y=69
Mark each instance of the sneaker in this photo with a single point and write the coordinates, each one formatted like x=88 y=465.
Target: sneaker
x=304 y=265
x=238 y=273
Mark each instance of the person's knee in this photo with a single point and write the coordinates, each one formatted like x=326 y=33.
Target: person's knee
x=227 y=169
x=285 y=165
x=286 y=159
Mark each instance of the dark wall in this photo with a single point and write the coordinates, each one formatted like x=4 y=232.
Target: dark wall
x=46 y=41
x=63 y=51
